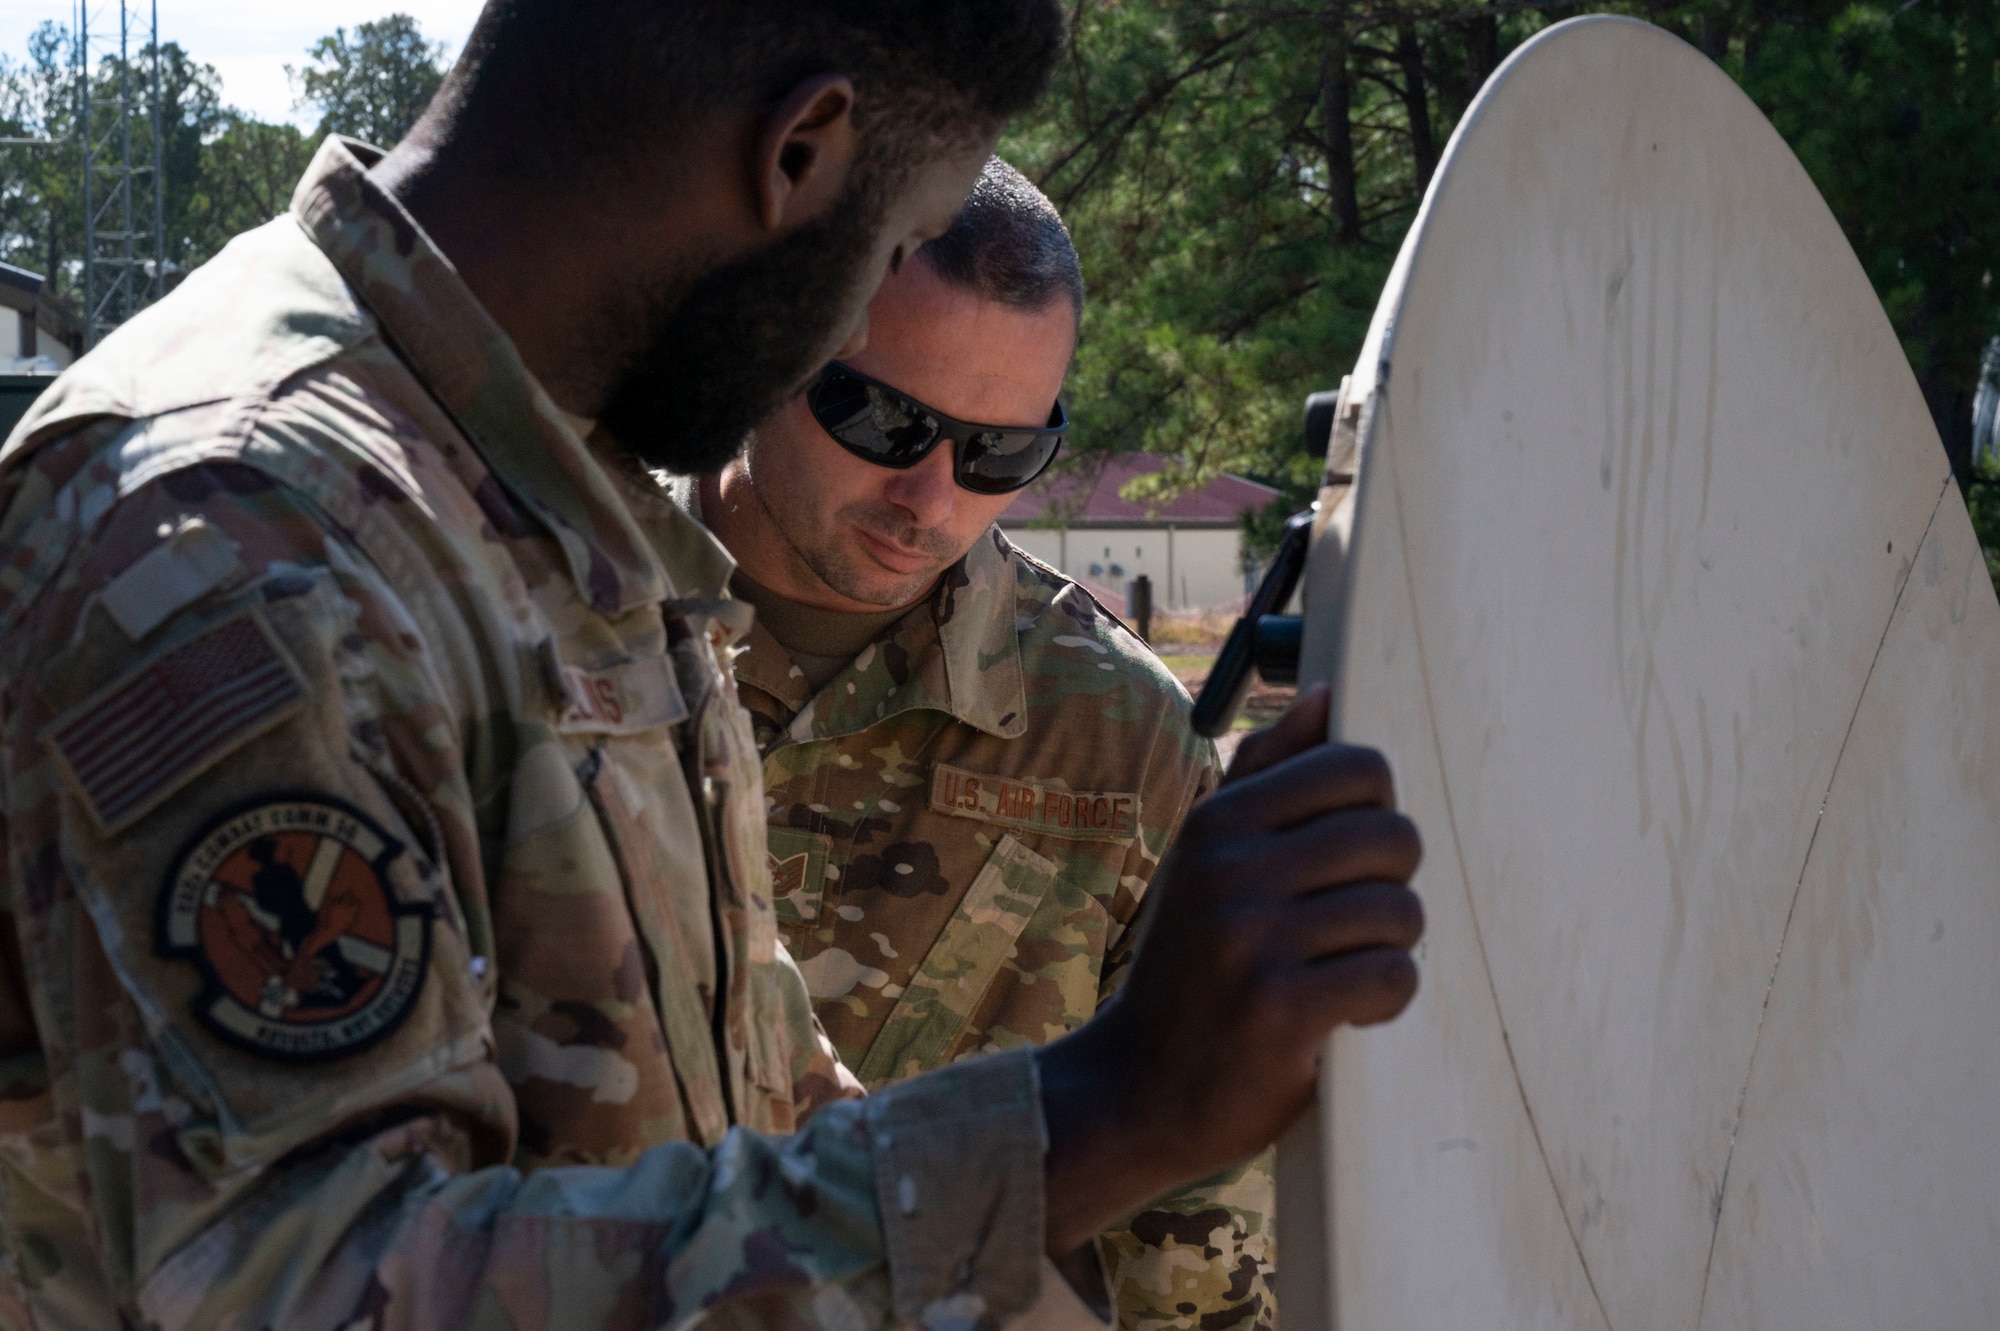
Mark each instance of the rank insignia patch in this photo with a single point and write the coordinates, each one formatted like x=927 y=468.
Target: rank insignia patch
x=789 y=876
x=288 y=910
x=797 y=860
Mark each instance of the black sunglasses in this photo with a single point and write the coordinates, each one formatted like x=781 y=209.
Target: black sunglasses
x=892 y=429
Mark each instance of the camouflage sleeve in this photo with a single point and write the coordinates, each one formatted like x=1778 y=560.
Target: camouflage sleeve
x=1202 y=1256
x=819 y=1078
x=25 y=1104
x=176 y=1149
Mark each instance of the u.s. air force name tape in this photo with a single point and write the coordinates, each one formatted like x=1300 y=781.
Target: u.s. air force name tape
x=1035 y=806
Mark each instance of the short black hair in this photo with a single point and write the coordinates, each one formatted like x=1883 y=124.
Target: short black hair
x=594 y=80
x=1009 y=245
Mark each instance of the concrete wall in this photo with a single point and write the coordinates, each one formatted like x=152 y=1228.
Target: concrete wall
x=1191 y=568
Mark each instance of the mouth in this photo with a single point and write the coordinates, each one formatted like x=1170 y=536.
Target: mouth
x=895 y=557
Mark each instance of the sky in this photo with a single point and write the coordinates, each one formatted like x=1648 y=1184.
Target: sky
x=248 y=41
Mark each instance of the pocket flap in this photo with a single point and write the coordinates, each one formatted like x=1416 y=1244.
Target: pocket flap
x=961 y=966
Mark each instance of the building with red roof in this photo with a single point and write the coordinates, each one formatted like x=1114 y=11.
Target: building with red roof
x=1191 y=548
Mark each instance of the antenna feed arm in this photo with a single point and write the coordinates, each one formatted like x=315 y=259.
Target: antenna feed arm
x=1249 y=645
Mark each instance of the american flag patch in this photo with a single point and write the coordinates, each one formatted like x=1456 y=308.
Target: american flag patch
x=143 y=736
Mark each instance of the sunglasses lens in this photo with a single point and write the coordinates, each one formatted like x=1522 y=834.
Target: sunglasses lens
x=999 y=461
x=891 y=429
x=882 y=427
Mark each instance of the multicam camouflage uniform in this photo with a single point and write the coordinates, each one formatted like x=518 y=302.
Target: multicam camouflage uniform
x=384 y=860
x=962 y=825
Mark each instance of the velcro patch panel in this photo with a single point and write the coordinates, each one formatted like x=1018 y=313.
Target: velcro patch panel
x=192 y=561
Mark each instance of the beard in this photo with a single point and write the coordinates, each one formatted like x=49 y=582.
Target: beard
x=740 y=342
x=819 y=540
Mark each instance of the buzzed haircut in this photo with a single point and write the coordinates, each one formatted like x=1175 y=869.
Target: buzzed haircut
x=1009 y=245
x=574 y=83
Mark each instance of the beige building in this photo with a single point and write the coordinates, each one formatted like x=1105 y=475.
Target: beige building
x=37 y=336
x=1192 y=548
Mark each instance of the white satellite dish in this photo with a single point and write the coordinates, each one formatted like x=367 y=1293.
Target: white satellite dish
x=1656 y=589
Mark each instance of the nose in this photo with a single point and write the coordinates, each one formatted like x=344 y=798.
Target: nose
x=926 y=491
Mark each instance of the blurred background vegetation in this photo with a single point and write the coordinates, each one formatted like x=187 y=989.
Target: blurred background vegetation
x=1238 y=177
x=225 y=171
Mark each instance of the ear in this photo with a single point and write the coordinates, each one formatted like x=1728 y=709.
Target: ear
x=804 y=152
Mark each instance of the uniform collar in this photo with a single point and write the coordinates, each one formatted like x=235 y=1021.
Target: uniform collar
x=979 y=631
x=962 y=659
x=472 y=368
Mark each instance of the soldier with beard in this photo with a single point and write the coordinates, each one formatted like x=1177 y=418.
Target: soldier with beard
x=972 y=769
x=328 y=547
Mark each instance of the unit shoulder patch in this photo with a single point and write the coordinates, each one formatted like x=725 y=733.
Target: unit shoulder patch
x=1033 y=805
x=288 y=909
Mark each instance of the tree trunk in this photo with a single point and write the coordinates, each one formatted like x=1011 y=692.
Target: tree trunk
x=1416 y=103
x=1336 y=95
x=1712 y=33
x=1482 y=53
x=1755 y=24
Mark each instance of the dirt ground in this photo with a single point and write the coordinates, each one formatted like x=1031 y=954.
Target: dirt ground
x=1188 y=644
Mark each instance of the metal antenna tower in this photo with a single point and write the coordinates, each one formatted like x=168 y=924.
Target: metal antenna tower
x=124 y=250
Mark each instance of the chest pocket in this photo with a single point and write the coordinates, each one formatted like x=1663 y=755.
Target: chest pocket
x=962 y=965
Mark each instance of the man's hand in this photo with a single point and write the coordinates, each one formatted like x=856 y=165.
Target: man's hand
x=1283 y=911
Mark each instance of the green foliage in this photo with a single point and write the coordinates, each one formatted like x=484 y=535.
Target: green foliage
x=41 y=197
x=1264 y=528
x=1982 y=497
x=248 y=172
x=1895 y=111
x=1238 y=179
x=1239 y=176
x=371 y=86
x=41 y=202
x=224 y=171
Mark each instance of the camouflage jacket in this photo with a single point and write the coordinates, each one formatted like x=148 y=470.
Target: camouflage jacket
x=388 y=932
x=962 y=825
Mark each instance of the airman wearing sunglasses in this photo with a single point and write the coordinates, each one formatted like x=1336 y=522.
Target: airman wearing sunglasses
x=972 y=768
x=386 y=934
